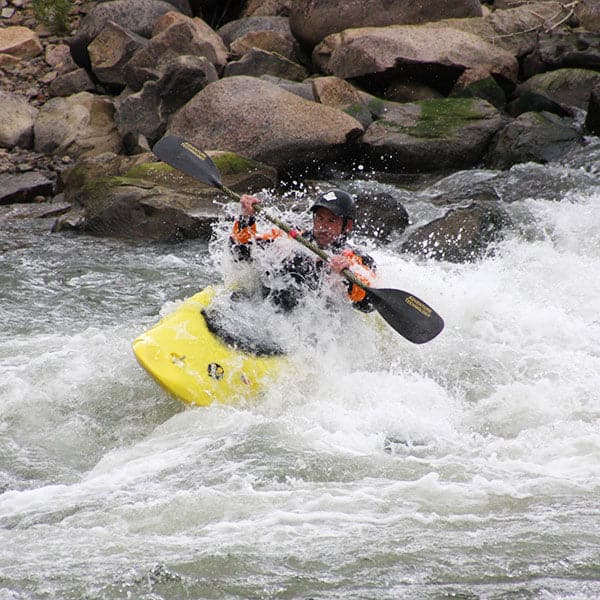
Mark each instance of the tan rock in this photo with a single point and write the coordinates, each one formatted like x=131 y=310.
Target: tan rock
x=334 y=91
x=275 y=126
x=20 y=42
x=369 y=50
x=79 y=126
x=312 y=21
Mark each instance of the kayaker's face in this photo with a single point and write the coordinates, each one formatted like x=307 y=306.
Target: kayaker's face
x=327 y=226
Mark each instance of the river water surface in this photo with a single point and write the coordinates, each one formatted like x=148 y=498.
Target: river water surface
x=468 y=467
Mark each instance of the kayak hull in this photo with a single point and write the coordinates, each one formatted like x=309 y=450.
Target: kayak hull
x=194 y=365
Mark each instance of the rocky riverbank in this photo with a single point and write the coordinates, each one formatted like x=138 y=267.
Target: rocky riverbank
x=282 y=90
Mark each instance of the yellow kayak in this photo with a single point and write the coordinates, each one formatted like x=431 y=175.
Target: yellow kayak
x=189 y=360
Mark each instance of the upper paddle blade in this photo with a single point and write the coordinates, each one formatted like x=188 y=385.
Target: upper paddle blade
x=192 y=161
x=408 y=315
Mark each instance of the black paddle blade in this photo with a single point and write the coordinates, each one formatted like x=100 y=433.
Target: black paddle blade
x=408 y=315
x=192 y=161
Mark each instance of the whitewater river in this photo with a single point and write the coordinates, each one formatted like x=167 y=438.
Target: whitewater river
x=468 y=467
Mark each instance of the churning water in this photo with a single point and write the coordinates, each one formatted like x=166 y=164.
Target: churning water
x=468 y=467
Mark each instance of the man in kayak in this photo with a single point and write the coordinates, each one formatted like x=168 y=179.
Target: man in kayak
x=333 y=214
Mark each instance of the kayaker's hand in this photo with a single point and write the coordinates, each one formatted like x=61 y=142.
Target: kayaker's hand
x=339 y=262
x=248 y=203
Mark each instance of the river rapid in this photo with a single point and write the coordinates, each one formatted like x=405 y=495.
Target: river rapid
x=468 y=467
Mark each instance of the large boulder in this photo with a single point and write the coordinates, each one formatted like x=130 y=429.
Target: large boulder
x=532 y=136
x=563 y=49
x=137 y=16
x=461 y=235
x=176 y=35
x=432 y=135
x=565 y=86
x=312 y=21
x=110 y=51
x=78 y=126
x=439 y=55
x=147 y=111
x=132 y=198
x=263 y=121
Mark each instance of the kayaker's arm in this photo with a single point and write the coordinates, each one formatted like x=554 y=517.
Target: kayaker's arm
x=363 y=268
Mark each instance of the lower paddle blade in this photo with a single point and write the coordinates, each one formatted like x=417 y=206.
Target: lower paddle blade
x=408 y=315
x=192 y=161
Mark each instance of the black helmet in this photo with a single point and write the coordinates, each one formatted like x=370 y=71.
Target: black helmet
x=340 y=203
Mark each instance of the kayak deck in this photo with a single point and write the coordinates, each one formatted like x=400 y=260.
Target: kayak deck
x=190 y=362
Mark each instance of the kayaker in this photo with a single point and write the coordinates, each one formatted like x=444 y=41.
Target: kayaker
x=333 y=215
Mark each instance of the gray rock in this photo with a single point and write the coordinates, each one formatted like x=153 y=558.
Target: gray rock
x=442 y=52
x=78 y=126
x=432 y=135
x=536 y=137
x=137 y=16
x=565 y=86
x=461 y=235
x=72 y=83
x=259 y=62
x=181 y=37
x=16 y=126
x=592 y=119
x=23 y=187
x=152 y=201
x=302 y=89
x=147 y=111
x=235 y=29
x=312 y=21
x=110 y=51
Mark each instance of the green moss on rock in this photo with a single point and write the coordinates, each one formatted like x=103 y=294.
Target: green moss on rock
x=440 y=118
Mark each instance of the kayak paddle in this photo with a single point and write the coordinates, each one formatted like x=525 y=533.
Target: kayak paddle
x=404 y=312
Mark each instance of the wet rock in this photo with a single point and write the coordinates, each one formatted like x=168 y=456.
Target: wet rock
x=527 y=101
x=563 y=50
x=380 y=215
x=432 y=135
x=23 y=187
x=461 y=235
x=152 y=201
x=565 y=86
x=592 y=119
x=275 y=126
x=478 y=83
x=312 y=21
x=537 y=137
x=44 y=210
x=16 y=126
